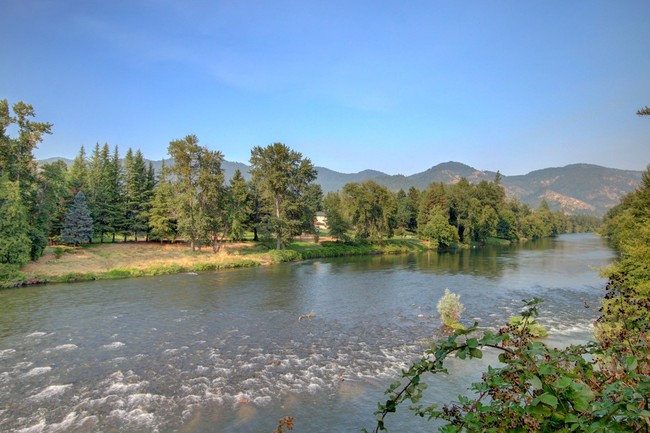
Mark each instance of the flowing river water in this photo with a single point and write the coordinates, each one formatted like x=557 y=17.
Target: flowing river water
x=226 y=351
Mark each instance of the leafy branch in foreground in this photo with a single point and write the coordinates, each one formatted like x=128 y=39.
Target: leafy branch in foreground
x=536 y=388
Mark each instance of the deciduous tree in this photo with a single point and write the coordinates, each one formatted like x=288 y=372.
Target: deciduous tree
x=198 y=191
x=282 y=175
x=15 y=244
x=370 y=208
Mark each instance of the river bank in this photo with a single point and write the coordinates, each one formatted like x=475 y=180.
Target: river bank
x=137 y=259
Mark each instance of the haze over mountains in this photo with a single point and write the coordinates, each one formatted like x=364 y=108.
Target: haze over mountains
x=575 y=189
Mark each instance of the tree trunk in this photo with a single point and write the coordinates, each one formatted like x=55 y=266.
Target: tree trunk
x=278 y=239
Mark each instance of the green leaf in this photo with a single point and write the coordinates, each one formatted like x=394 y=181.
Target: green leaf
x=562 y=383
x=582 y=398
x=571 y=418
x=472 y=343
x=535 y=382
x=475 y=353
x=547 y=399
x=630 y=363
x=546 y=369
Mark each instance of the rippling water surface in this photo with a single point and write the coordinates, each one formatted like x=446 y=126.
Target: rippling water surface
x=226 y=352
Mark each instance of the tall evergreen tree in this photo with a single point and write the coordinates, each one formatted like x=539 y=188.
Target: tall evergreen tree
x=78 y=174
x=53 y=193
x=240 y=209
x=77 y=224
x=162 y=220
x=258 y=210
x=137 y=193
x=116 y=220
x=102 y=208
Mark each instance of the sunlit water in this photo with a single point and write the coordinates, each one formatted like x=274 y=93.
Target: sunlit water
x=226 y=351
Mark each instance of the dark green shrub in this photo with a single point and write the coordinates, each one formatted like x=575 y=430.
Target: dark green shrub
x=280 y=256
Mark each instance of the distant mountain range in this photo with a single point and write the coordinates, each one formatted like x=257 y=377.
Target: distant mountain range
x=576 y=188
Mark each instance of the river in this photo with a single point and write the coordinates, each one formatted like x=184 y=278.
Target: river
x=226 y=351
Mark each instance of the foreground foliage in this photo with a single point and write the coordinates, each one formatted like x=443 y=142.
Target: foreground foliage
x=536 y=388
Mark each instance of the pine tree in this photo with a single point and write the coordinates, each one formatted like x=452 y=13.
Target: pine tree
x=77 y=224
x=98 y=190
x=137 y=193
x=240 y=209
x=116 y=195
x=78 y=174
x=162 y=218
x=53 y=193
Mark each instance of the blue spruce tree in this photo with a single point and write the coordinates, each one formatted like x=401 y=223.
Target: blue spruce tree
x=77 y=224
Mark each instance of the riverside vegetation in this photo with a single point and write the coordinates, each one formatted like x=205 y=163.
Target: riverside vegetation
x=601 y=386
x=105 y=198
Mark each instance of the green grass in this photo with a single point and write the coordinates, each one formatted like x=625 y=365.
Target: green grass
x=298 y=250
x=20 y=279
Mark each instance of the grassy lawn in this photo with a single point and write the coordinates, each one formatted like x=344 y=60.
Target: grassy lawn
x=133 y=259
x=145 y=258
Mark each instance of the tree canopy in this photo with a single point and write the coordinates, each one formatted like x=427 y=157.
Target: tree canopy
x=283 y=176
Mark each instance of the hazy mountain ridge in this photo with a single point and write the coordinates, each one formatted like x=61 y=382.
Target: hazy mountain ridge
x=576 y=188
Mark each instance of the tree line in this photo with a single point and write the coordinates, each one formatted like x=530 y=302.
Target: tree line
x=444 y=214
x=105 y=197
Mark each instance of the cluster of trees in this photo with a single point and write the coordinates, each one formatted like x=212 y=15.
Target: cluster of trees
x=28 y=198
x=116 y=192
x=444 y=214
x=103 y=196
x=192 y=201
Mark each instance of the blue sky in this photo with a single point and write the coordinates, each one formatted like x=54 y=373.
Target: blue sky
x=394 y=86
